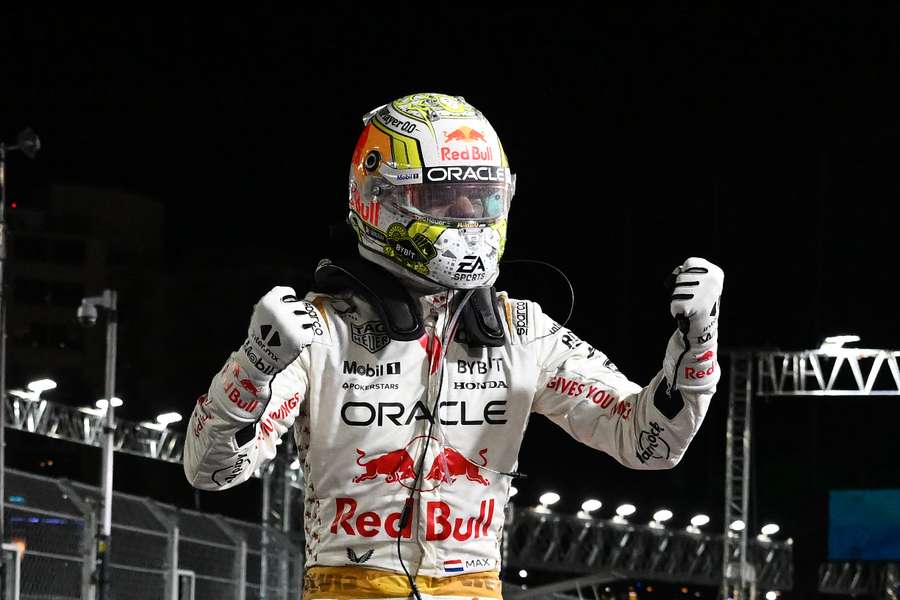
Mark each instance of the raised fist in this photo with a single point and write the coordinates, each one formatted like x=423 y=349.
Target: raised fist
x=697 y=288
x=281 y=327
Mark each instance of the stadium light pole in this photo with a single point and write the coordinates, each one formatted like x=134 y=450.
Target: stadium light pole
x=28 y=143
x=87 y=316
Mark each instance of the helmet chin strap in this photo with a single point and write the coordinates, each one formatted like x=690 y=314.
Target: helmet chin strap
x=416 y=283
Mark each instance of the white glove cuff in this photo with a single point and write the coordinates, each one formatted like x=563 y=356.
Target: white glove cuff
x=696 y=370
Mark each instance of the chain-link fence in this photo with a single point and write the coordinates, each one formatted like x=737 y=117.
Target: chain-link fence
x=56 y=529
x=154 y=549
x=269 y=556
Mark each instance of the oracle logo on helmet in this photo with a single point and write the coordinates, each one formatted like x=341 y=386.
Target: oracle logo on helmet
x=466 y=174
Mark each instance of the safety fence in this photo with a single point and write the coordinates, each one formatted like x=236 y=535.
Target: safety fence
x=157 y=551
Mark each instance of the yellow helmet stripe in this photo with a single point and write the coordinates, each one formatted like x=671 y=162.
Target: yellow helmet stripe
x=404 y=148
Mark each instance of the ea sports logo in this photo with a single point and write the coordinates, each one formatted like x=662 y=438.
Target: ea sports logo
x=470 y=264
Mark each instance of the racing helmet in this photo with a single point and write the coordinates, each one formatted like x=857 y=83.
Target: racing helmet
x=430 y=190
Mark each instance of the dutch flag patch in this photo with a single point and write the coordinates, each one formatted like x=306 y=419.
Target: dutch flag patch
x=453 y=566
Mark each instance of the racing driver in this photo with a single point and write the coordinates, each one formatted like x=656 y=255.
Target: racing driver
x=409 y=380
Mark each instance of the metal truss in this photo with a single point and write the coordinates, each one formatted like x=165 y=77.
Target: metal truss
x=738 y=572
x=876 y=579
x=829 y=371
x=51 y=419
x=148 y=440
x=614 y=551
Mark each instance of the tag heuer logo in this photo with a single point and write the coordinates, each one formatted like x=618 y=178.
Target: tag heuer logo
x=370 y=335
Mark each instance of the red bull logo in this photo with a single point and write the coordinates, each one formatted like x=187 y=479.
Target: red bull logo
x=469 y=151
x=474 y=153
x=450 y=464
x=368 y=212
x=464 y=134
x=692 y=373
x=440 y=521
x=248 y=385
x=439 y=525
x=395 y=466
x=708 y=355
x=234 y=396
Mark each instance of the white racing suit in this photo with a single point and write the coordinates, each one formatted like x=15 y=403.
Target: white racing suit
x=361 y=408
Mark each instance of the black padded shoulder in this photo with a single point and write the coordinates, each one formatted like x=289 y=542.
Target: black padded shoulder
x=481 y=319
x=400 y=313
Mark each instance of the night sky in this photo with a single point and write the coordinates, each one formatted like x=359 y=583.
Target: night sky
x=766 y=141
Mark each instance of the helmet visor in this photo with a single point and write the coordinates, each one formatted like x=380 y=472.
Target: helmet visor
x=459 y=202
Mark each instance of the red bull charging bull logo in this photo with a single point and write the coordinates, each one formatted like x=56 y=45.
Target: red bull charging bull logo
x=708 y=355
x=248 y=385
x=464 y=134
x=395 y=466
x=470 y=149
x=398 y=466
x=450 y=464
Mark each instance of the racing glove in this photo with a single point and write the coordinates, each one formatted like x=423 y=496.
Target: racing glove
x=691 y=357
x=282 y=325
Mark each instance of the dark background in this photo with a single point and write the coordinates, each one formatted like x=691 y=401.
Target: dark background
x=763 y=140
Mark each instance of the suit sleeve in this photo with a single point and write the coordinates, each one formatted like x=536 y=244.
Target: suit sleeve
x=583 y=392
x=234 y=429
